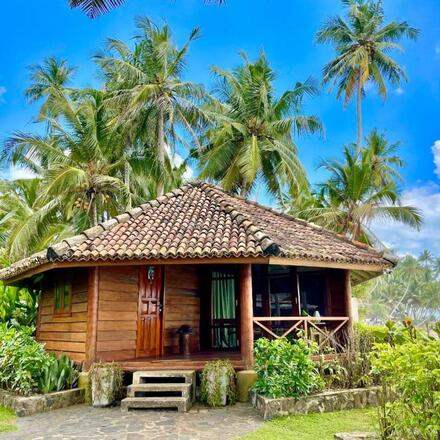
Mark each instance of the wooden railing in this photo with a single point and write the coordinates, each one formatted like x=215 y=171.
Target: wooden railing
x=305 y=324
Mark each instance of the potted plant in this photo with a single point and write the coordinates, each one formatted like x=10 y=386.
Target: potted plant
x=218 y=383
x=105 y=381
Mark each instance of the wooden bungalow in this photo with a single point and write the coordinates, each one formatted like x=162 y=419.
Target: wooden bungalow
x=230 y=269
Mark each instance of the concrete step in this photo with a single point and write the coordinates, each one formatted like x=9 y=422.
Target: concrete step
x=157 y=388
x=164 y=376
x=182 y=404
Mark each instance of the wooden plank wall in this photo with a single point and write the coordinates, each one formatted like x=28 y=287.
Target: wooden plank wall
x=117 y=312
x=182 y=305
x=64 y=334
x=336 y=294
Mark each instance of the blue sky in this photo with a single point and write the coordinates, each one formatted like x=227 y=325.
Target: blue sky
x=284 y=29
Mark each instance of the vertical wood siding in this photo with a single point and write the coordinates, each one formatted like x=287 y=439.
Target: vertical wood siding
x=117 y=312
x=182 y=305
x=64 y=334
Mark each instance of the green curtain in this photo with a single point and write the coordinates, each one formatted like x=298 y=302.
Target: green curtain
x=223 y=293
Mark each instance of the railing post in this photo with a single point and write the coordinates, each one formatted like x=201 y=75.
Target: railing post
x=246 y=316
x=92 y=317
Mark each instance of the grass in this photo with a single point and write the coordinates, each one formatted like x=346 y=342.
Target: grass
x=7 y=420
x=316 y=426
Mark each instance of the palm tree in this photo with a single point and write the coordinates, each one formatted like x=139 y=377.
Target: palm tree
x=82 y=159
x=363 y=42
x=350 y=200
x=146 y=87
x=48 y=82
x=28 y=223
x=252 y=130
x=385 y=161
x=93 y=8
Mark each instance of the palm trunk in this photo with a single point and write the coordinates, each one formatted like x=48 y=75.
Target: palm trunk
x=161 y=150
x=359 y=113
x=94 y=210
x=127 y=182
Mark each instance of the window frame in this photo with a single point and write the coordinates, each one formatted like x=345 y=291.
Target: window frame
x=62 y=285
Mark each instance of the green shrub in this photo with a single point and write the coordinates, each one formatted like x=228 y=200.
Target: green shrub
x=285 y=369
x=59 y=375
x=411 y=372
x=25 y=367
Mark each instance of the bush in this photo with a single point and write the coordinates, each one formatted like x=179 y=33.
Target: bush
x=285 y=369
x=411 y=372
x=25 y=367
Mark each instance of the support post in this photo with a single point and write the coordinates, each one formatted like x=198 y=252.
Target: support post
x=246 y=316
x=92 y=317
x=347 y=298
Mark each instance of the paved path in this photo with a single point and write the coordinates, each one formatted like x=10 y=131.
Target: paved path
x=85 y=422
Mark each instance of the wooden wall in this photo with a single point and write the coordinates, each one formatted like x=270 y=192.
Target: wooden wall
x=64 y=334
x=182 y=305
x=117 y=312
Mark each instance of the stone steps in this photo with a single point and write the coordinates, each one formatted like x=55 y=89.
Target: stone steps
x=182 y=404
x=161 y=389
x=184 y=389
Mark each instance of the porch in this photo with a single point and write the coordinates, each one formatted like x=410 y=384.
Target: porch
x=226 y=308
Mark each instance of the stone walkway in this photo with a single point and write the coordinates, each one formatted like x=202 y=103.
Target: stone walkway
x=85 y=422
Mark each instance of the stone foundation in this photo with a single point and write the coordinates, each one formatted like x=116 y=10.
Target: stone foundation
x=26 y=406
x=323 y=402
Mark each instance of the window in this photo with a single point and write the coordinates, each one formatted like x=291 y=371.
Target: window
x=63 y=297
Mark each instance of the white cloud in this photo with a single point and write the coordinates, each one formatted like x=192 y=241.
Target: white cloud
x=405 y=240
x=177 y=161
x=436 y=153
x=20 y=173
x=3 y=90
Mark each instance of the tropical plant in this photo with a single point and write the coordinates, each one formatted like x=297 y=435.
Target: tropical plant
x=18 y=306
x=93 y=8
x=22 y=360
x=147 y=91
x=353 y=197
x=411 y=372
x=58 y=375
x=28 y=222
x=363 y=42
x=251 y=136
x=285 y=369
x=411 y=290
x=49 y=82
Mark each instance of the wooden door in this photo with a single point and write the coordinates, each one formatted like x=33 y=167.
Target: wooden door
x=149 y=333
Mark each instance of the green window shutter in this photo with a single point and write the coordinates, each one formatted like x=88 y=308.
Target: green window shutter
x=67 y=296
x=57 y=297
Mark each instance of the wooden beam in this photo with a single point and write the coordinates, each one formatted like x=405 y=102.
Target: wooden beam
x=347 y=298
x=326 y=264
x=246 y=316
x=92 y=317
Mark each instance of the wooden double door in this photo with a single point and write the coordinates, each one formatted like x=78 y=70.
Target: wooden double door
x=149 y=328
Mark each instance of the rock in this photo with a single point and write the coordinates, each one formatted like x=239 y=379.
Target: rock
x=245 y=380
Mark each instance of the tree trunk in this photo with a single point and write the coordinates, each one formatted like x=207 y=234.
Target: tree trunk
x=94 y=210
x=161 y=150
x=359 y=112
x=127 y=181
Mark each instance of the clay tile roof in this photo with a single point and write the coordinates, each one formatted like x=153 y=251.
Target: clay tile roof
x=200 y=220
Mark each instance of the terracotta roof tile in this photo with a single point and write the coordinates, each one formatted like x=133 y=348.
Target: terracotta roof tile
x=202 y=221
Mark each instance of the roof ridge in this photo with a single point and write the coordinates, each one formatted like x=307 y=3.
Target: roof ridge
x=342 y=237
x=267 y=244
x=57 y=250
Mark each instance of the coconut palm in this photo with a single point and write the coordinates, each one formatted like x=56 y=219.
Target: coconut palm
x=146 y=87
x=28 y=223
x=82 y=160
x=350 y=200
x=363 y=42
x=48 y=82
x=252 y=132
x=93 y=8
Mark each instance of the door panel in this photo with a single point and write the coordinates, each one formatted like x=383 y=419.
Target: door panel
x=150 y=311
